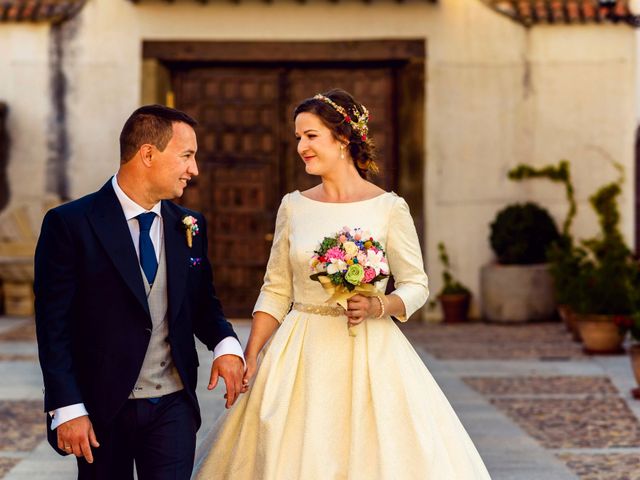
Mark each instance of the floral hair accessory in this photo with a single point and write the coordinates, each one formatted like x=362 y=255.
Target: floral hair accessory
x=360 y=125
x=190 y=225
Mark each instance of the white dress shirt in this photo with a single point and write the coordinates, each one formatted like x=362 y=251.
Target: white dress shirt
x=227 y=346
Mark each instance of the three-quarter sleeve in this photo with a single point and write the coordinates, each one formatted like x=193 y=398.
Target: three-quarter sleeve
x=405 y=260
x=276 y=292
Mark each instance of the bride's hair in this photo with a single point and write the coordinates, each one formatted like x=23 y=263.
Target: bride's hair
x=346 y=125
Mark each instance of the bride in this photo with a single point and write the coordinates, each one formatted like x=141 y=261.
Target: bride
x=322 y=404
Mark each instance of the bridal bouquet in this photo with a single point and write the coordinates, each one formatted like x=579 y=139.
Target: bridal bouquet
x=347 y=264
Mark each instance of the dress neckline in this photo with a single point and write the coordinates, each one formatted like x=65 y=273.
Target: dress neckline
x=343 y=203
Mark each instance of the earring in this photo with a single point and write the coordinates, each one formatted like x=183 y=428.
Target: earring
x=341 y=152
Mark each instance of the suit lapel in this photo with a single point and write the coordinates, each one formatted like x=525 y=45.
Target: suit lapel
x=110 y=226
x=176 y=252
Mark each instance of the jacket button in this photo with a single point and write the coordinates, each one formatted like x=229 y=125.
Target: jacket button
x=163 y=364
x=158 y=387
x=148 y=330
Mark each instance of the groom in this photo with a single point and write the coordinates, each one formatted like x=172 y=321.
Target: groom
x=122 y=284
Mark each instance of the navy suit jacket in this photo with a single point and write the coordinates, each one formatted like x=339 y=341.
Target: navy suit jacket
x=92 y=317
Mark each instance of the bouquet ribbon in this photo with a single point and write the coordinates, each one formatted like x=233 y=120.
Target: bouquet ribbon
x=340 y=294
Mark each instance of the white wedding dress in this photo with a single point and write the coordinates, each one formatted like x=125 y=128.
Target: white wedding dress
x=328 y=406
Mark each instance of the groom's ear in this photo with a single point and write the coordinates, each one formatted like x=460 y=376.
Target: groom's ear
x=146 y=154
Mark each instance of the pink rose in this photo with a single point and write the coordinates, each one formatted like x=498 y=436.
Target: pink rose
x=369 y=274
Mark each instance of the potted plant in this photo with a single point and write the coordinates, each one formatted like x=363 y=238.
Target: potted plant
x=608 y=279
x=519 y=287
x=454 y=297
x=601 y=331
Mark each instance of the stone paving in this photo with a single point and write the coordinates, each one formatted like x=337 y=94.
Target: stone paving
x=479 y=341
x=535 y=405
x=582 y=417
x=615 y=466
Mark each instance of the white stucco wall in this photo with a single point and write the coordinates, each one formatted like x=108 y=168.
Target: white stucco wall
x=24 y=85
x=584 y=110
x=570 y=96
x=497 y=95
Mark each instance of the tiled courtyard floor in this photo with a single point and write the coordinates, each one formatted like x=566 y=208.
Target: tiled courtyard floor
x=577 y=407
x=534 y=404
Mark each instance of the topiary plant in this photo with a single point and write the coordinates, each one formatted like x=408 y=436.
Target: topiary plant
x=522 y=233
x=560 y=173
x=609 y=276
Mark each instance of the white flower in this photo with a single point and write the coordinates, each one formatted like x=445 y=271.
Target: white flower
x=188 y=220
x=350 y=248
x=377 y=261
x=336 y=266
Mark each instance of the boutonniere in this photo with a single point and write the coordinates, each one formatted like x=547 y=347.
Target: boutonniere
x=190 y=225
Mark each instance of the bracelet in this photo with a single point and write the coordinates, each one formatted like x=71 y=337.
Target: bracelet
x=381 y=306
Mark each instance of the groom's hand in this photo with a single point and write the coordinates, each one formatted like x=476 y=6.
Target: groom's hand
x=77 y=436
x=231 y=369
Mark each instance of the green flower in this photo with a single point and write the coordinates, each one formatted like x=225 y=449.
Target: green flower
x=355 y=274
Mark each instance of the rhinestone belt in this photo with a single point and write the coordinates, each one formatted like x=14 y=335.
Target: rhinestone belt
x=319 y=309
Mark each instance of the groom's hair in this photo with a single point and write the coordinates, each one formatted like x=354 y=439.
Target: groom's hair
x=152 y=124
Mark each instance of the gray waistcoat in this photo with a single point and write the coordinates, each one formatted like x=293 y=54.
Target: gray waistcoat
x=158 y=375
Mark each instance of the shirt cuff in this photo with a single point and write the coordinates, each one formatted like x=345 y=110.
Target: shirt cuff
x=64 y=414
x=229 y=346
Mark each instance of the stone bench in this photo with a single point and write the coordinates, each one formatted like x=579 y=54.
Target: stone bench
x=19 y=230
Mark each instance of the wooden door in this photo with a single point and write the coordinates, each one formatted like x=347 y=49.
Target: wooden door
x=238 y=188
x=247 y=156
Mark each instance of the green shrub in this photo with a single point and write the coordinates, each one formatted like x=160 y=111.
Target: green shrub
x=522 y=233
x=608 y=279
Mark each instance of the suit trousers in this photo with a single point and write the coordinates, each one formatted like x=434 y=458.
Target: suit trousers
x=159 y=438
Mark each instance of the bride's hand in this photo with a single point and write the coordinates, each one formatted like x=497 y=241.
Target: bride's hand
x=252 y=366
x=361 y=307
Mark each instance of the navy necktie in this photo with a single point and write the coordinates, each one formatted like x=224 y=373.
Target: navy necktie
x=148 y=259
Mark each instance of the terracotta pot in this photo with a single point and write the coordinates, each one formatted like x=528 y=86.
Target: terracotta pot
x=634 y=355
x=600 y=335
x=455 y=308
